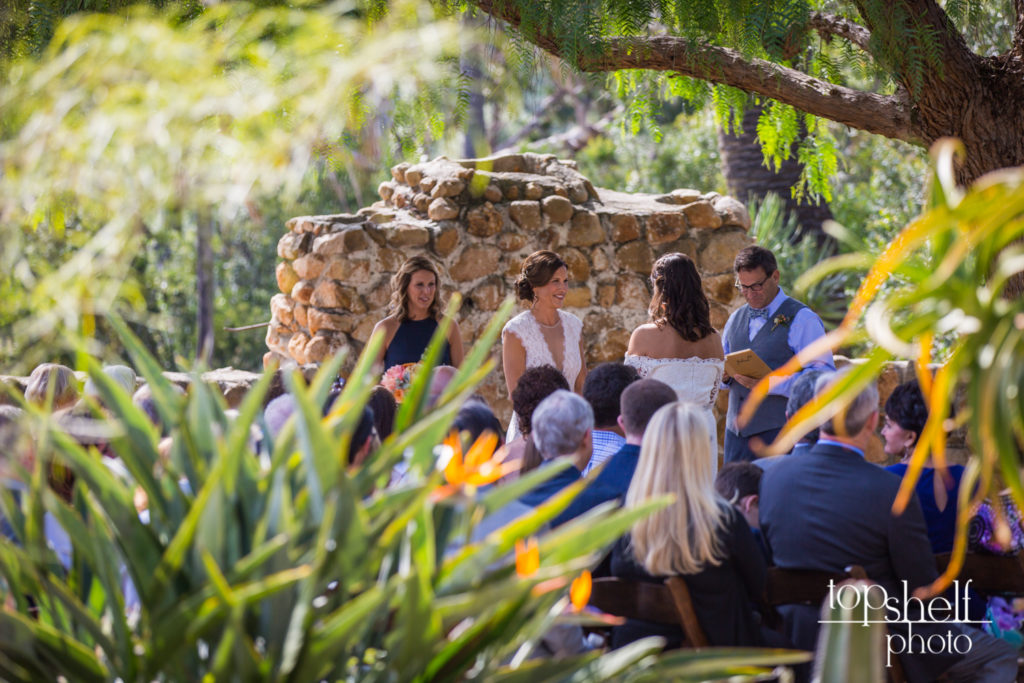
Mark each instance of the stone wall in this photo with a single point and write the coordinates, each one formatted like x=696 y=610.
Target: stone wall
x=479 y=219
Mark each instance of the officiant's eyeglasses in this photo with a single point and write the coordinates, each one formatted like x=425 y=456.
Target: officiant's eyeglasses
x=756 y=287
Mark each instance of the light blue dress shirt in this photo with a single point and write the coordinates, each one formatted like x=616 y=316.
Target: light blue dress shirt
x=606 y=444
x=805 y=328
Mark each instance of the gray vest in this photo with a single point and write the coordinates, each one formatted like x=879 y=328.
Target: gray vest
x=771 y=343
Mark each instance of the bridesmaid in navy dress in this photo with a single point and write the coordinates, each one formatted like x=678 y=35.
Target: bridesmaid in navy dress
x=413 y=317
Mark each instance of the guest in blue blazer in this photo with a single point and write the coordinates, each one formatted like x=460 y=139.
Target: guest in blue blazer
x=830 y=508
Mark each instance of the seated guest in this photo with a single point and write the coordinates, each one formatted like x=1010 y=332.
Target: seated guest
x=143 y=399
x=905 y=416
x=1005 y=613
x=439 y=380
x=382 y=403
x=363 y=439
x=64 y=386
x=562 y=425
x=699 y=537
x=639 y=402
x=800 y=393
x=535 y=385
x=475 y=417
x=121 y=374
x=740 y=484
x=602 y=389
x=830 y=508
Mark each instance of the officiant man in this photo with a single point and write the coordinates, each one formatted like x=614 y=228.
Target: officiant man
x=775 y=327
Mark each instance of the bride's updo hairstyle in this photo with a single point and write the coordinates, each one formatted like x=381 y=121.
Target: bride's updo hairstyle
x=678 y=297
x=538 y=269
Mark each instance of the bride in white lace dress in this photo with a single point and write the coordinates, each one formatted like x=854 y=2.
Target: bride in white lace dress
x=679 y=346
x=544 y=335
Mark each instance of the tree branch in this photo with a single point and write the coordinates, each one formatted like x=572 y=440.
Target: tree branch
x=881 y=114
x=902 y=19
x=574 y=139
x=828 y=25
x=540 y=117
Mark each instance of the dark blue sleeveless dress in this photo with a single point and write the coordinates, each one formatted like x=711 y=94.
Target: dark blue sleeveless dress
x=411 y=340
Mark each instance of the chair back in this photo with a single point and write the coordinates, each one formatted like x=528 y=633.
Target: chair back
x=804 y=586
x=989 y=573
x=661 y=603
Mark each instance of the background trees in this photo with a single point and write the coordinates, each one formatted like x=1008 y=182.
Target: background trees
x=927 y=71
x=128 y=137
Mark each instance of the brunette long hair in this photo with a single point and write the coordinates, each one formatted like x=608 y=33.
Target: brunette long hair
x=678 y=299
x=400 y=287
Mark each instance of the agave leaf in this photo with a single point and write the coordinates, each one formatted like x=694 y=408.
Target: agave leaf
x=301 y=614
x=496 y=497
x=417 y=625
x=827 y=404
x=414 y=402
x=460 y=653
x=116 y=501
x=718 y=663
x=135 y=440
x=181 y=544
x=26 y=641
x=195 y=616
x=317 y=452
x=320 y=387
x=595 y=530
x=337 y=632
x=168 y=402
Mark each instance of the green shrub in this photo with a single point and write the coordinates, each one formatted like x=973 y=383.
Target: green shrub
x=287 y=565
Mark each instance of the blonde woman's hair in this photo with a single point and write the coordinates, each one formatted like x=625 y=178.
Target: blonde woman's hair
x=65 y=385
x=676 y=458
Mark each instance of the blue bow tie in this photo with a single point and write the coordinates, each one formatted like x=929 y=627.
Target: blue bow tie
x=759 y=313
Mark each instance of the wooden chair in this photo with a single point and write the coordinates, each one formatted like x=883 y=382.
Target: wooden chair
x=810 y=587
x=990 y=573
x=805 y=586
x=667 y=603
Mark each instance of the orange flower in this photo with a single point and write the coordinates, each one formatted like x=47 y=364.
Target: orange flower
x=481 y=465
x=527 y=557
x=579 y=591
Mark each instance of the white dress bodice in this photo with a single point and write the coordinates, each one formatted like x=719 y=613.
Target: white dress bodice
x=695 y=380
x=527 y=329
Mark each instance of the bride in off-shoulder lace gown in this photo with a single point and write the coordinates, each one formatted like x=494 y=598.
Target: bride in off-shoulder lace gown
x=679 y=346
x=695 y=380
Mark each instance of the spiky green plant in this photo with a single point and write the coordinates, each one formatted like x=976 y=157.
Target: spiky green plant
x=290 y=566
x=953 y=264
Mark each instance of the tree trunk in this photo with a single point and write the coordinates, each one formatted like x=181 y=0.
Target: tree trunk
x=749 y=179
x=204 y=290
x=475 y=136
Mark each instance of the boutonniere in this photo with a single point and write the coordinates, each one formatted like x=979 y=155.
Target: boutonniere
x=780 y=320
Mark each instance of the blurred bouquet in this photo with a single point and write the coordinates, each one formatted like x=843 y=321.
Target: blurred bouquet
x=398 y=378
